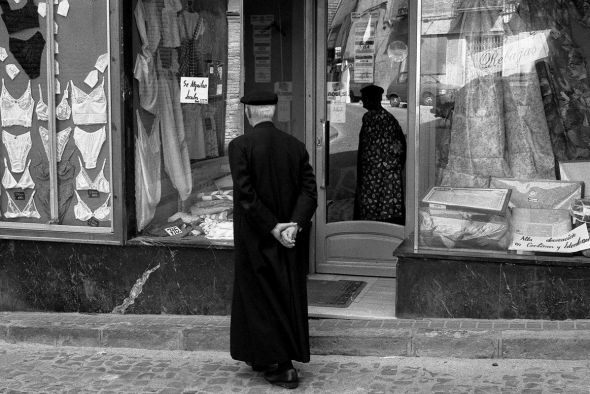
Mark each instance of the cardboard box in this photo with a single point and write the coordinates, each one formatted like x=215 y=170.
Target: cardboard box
x=540 y=222
x=538 y=193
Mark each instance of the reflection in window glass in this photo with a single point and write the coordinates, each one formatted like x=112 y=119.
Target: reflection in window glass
x=367 y=44
x=509 y=110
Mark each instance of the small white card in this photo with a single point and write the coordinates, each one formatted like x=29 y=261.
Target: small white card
x=91 y=78
x=63 y=8
x=56 y=68
x=55 y=27
x=57 y=87
x=42 y=9
x=102 y=62
x=3 y=54
x=56 y=51
x=12 y=70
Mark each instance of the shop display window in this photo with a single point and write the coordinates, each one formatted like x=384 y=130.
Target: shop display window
x=183 y=188
x=56 y=156
x=509 y=113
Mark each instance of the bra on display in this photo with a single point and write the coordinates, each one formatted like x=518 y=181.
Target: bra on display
x=83 y=212
x=25 y=182
x=42 y=110
x=29 y=211
x=89 y=108
x=18 y=147
x=16 y=112
x=100 y=183
x=19 y=19
x=63 y=109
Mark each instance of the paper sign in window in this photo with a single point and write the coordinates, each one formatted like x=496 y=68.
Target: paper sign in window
x=194 y=90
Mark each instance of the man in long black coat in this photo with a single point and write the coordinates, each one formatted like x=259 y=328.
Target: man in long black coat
x=275 y=198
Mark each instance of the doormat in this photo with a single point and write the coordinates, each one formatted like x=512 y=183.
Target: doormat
x=333 y=293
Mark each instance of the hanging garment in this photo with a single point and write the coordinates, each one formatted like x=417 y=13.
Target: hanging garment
x=25 y=182
x=192 y=28
x=83 y=213
x=18 y=147
x=28 y=53
x=145 y=73
x=195 y=135
x=62 y=140
x=89 y=108
x=100 y=183
x=65 y=187
x=19 y=19
x=170 y=25
x=16 y=112
x=147 y=172
x=41 y=109
x=149 y=24
x=63 y=109
x=29 y=211
x=176 y=160
x=89 y=144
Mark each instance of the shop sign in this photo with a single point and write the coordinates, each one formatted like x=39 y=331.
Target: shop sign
x=194 y=90
x=522 y=50
x=573 y=241
x=262 y=39
x=336 y=92
x=364 y=46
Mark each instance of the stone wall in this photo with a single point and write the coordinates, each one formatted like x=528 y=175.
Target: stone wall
x=68 y=277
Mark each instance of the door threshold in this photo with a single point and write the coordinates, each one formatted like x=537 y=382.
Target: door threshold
x=375 y=302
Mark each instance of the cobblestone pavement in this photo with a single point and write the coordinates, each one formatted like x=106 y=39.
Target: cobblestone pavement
x=28 y=368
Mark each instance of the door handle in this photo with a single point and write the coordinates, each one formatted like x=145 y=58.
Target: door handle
x=326 y=153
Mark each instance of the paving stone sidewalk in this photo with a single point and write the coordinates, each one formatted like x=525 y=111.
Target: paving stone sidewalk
x=461 y=338
x=28 y=368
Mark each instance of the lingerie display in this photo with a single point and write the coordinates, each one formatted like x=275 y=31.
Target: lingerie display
x=28 y=53
x=100 y=183
x=63 y=110
x=16 y=112
x=89 y=108
x=17 y=147
x=148 y=187
x=89 y=145
x=175 y=42
x=41 y=109
x=29 y=211
x=83 y=213
x=25 y=182
x=19 y=19
x=62 y=140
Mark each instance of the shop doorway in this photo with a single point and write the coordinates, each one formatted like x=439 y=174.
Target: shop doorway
x=358 y=44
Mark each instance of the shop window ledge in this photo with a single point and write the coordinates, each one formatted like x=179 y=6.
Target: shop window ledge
x=406 y=251
x=192 y=242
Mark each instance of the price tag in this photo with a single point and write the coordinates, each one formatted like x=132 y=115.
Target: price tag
x=93 y=193
x=174 y=230
x=19 y=195
x=93 y=222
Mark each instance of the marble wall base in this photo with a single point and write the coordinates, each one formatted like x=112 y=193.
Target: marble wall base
x=67 y=277
x=447 y=288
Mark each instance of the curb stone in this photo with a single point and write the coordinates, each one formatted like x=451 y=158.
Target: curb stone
x=413 y=338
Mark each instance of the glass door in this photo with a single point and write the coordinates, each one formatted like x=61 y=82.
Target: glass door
x=361 y=156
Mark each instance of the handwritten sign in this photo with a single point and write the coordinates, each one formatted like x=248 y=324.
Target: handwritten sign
x=573 y=241
x=194 y=90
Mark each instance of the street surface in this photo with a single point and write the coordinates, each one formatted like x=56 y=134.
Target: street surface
x=28 y=368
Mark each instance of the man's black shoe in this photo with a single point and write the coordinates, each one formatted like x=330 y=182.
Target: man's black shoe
x=286 y=378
